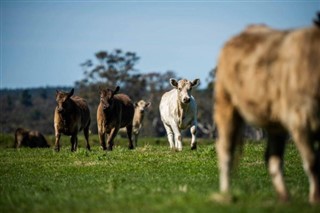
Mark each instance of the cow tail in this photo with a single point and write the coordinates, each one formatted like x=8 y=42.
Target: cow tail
x=316 y=21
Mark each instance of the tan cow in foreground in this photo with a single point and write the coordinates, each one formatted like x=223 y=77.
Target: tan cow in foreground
x=271 y=79
x=114 y=112
x=71 y=115
x=178 y=111
x=139 y=109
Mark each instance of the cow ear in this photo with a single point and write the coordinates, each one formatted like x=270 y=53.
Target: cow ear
x=100 y=89
x=148 y=104
x=71 y=93
x=195 y=82
x=173 y=82
x=116 y=90
x=135 y=104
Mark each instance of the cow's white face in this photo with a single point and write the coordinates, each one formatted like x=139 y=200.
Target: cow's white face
x=142 y=105
x=184 y=88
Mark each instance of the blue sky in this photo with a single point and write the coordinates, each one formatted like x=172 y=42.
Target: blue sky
x=44 y=42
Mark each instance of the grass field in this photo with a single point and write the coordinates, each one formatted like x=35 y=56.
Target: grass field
x=150 y=178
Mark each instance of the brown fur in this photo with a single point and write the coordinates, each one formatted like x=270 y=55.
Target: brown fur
x=114 y=112
x=27 y=138
x=71 y=115
x=271 y=79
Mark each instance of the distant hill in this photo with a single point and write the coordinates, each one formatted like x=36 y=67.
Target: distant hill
x=28 y=108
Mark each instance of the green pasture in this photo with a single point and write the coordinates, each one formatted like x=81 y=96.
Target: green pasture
x=150 y=178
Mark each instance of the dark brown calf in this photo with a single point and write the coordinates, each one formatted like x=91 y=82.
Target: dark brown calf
x=114 y=112
x=70 y=117
x=27 y=138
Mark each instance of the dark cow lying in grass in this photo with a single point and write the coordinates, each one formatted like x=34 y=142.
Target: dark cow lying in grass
x=29 y=138
x=114 y=112
x=71 y=115
x=271 y=79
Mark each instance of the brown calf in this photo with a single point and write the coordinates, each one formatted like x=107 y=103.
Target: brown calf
x=27 y=138
x=71 y=115
x=271 y=79
x=114 y=112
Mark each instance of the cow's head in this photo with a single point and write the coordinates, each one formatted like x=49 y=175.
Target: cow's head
x=184 y=88
x=106 y=97
x=21 y=137
x=142 y=105
x=63 y=100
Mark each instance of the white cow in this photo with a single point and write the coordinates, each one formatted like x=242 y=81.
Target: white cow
x=178 y=111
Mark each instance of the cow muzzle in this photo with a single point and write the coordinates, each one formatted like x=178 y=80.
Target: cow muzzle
x=186 y=100
x=60 y=109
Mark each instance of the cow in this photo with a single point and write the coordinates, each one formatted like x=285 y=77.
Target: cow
x=178 y=111
x=114 y=112
x=139 y=109
x=270 y=78
x=29 y=138
x=71 y=115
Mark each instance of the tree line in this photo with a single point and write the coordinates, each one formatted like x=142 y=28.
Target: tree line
x=33 y=108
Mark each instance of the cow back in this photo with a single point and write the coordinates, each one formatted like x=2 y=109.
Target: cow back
x=266 y=72
x=125 y=105
x=82 y=109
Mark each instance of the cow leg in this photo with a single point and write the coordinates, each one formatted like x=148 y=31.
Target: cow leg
x=76 y=143
x=102 y=140
x=177 y=137
x=229 y=130
x=111 y=137
x=57 y=143
x=193 y=131
x=86 y=135
x=169 y=135
x=129 y=134
x=73 y=143
x=310 y=161
x=274 y=160
x=135 y=138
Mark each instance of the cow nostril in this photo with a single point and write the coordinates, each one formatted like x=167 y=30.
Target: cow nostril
x=186 y=100
x=105 y=107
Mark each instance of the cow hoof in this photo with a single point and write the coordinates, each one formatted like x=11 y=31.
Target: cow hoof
x=224 y=198
x=194 y=147
x=57 y=149
x=284 y=198
x=109 y=149
x=315 y=200
x=131 y=147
